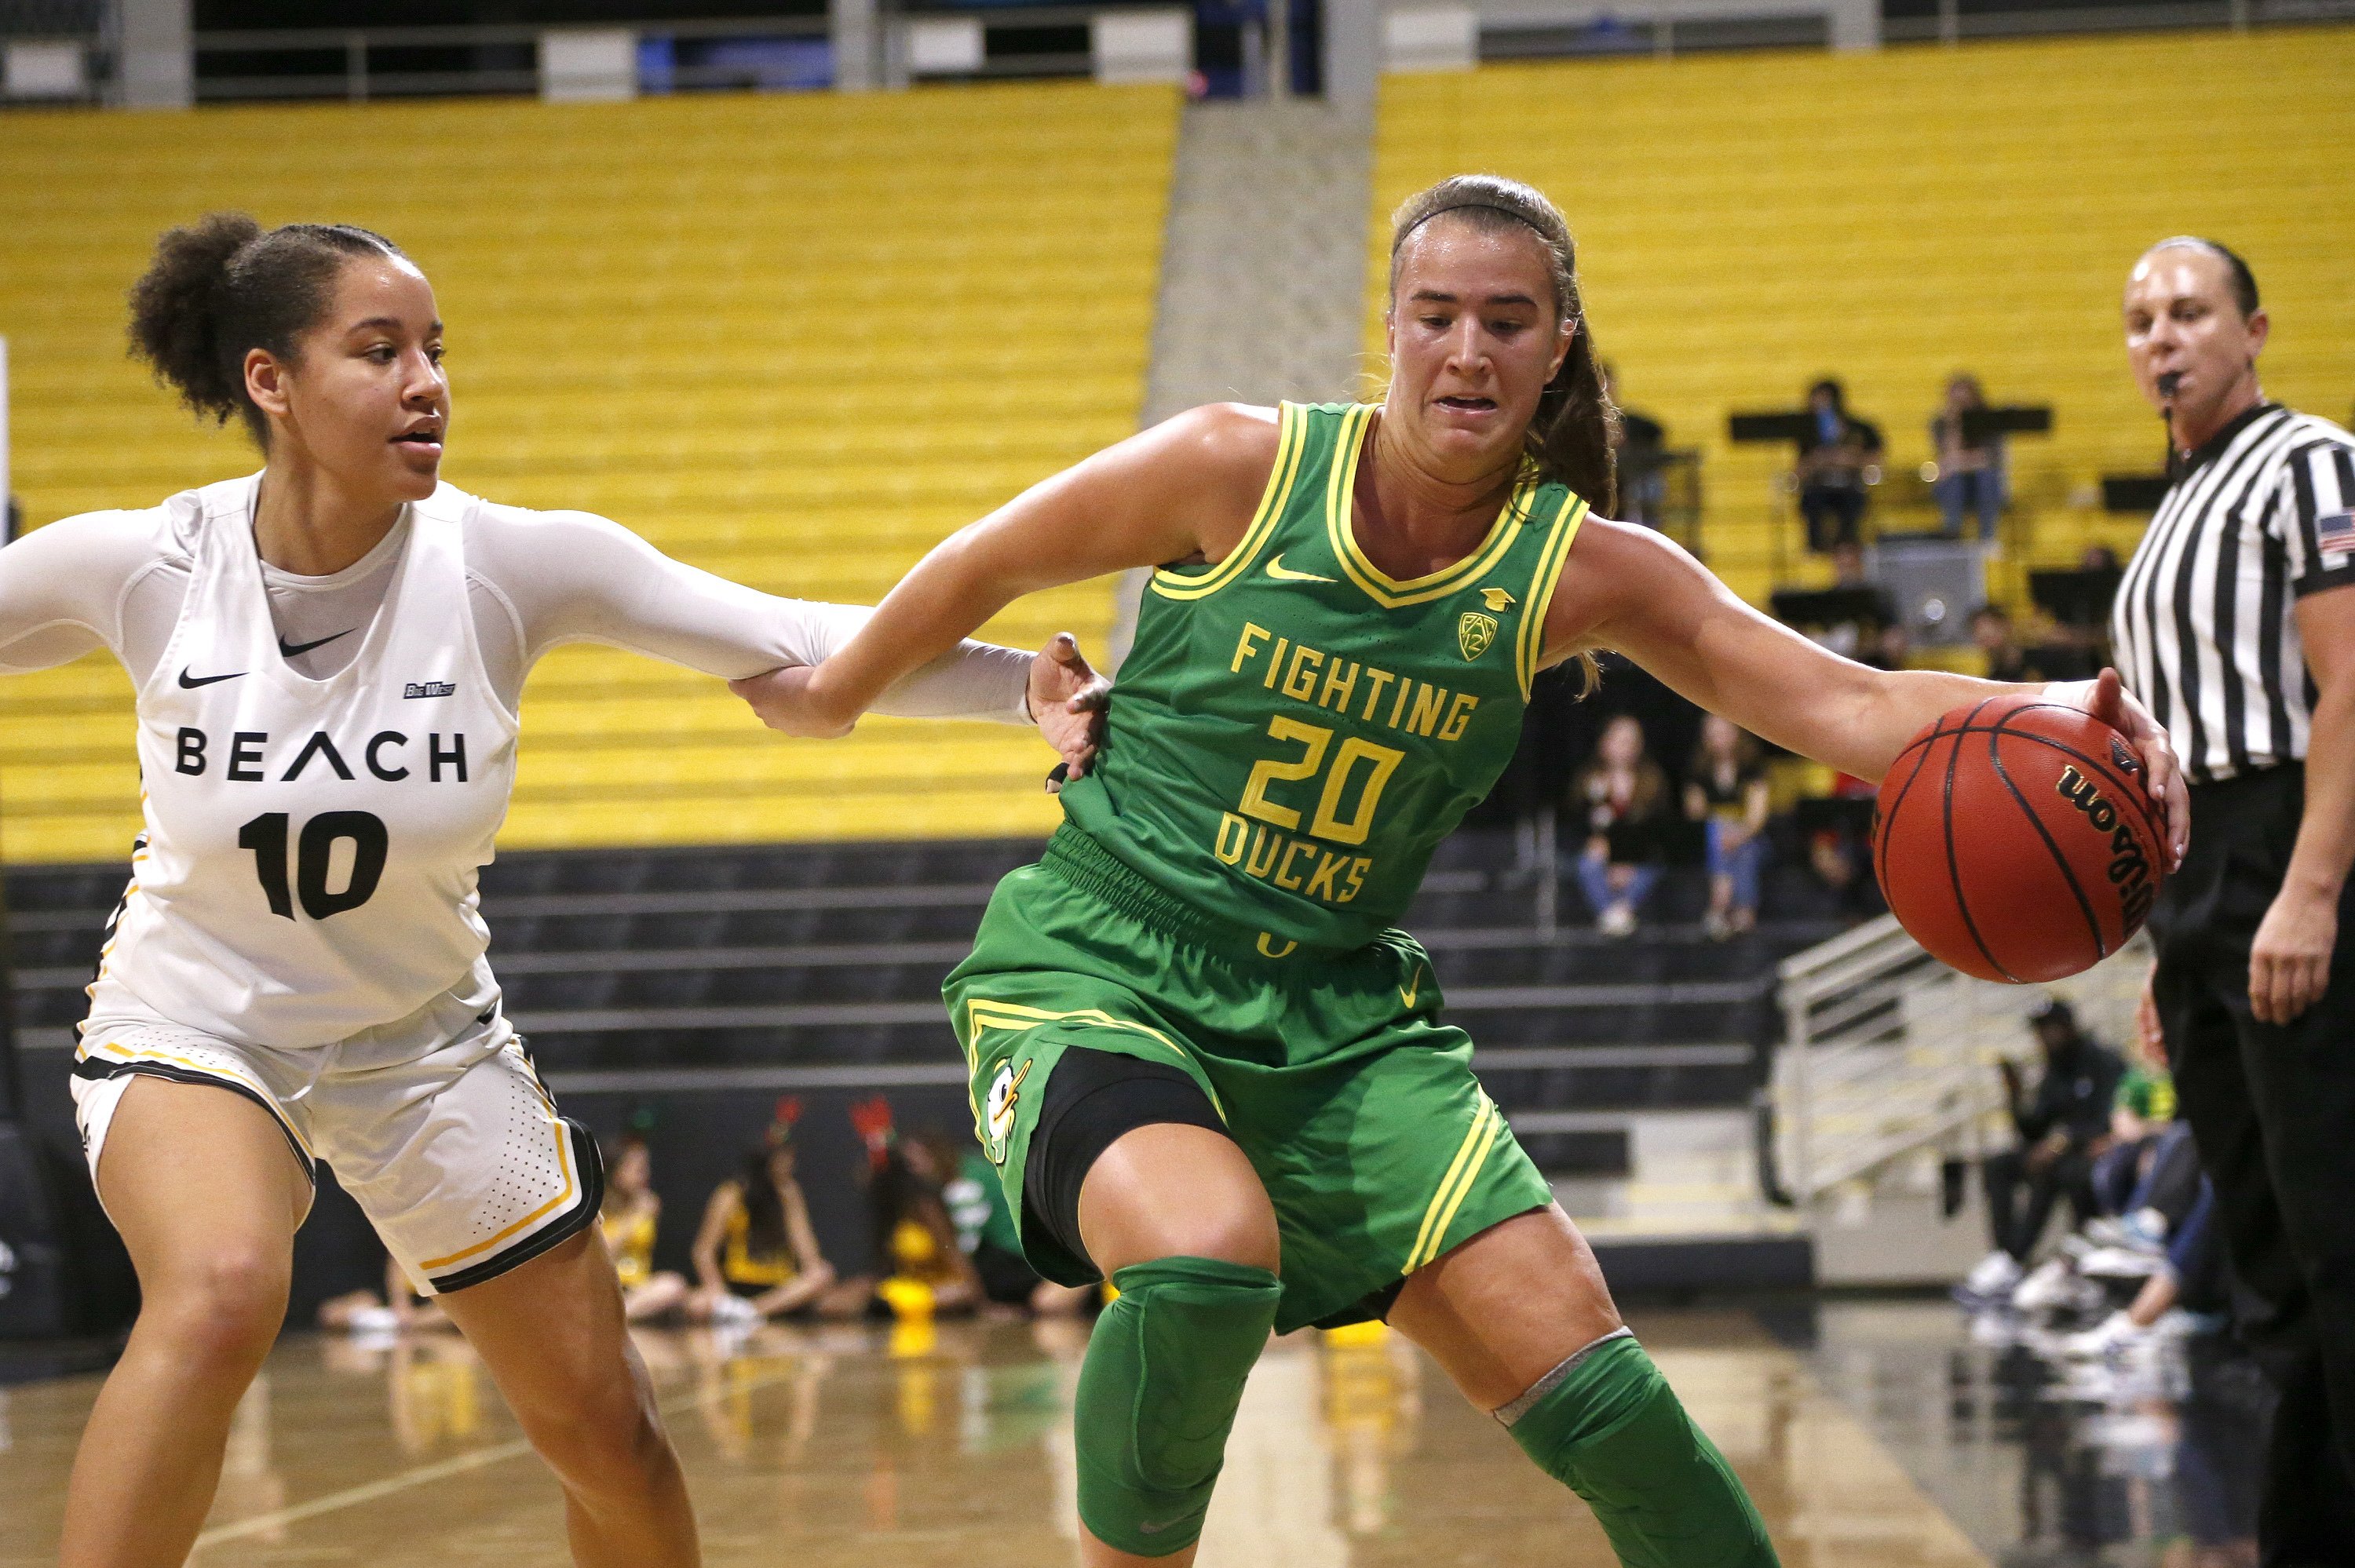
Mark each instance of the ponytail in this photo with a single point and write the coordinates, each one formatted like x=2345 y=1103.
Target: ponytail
x=1571 y=437
x=225 y=286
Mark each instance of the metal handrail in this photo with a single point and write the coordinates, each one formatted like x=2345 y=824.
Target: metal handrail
x=1888 y=1052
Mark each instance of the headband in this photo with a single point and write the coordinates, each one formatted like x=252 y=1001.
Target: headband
x=1520 y=217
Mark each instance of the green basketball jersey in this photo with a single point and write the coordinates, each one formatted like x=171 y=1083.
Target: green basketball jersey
x=1294 y=731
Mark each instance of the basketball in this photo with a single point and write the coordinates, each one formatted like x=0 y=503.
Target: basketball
x=2016 y=840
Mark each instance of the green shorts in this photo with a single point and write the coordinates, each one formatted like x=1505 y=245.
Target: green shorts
x=1357 y=1108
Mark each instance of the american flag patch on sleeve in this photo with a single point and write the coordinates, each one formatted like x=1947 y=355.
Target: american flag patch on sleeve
x=2334 y=533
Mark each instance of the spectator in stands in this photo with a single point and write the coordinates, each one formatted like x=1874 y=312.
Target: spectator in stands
x=1851 y=617
x=2062 y=1124
x=929 y=1272
x=1991 y=630
x=1971 y=478
x=2054 y=656
x=985 y=1228
x=1641 y=443
x=627 y=1221
x=756 y=1255
x=1840 y=456
x=1620 y=795
x=1725 y=791
x=398 y=1309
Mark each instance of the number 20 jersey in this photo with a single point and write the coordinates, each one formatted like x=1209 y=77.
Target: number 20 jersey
x=309 y=866
x=1294 y=731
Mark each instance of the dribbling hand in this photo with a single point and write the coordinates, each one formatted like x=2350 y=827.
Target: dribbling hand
x=1067 y=701
x=2106 y=698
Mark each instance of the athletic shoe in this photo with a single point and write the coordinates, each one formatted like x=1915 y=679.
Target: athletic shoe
x=2106 y=1230
x=2112 y=1334
x=2057 y=1287
x=2121 y=1263
x=734 y=1310
x=1993 y=1278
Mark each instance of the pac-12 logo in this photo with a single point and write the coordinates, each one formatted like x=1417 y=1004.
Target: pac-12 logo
x=997 y=1115
x=1473 y=633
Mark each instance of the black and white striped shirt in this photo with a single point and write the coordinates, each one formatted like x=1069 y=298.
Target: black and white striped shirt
x=2203 y=623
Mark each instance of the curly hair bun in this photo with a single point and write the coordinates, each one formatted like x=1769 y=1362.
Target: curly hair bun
x=224 y=286
x=177 y=307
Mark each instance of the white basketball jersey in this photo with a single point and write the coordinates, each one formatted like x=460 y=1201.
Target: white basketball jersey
x=309 y=868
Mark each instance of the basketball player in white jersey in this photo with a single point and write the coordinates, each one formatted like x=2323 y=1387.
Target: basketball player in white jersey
x=329 y=658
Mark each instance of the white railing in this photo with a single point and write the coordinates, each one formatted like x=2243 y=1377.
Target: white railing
x=1887 y=1050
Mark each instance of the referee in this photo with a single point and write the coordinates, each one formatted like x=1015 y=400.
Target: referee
x=2235 y=624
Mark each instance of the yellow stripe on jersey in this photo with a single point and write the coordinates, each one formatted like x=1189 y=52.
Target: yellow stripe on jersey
x=1390 y=593
x=1292 y=438
x=1530 y=649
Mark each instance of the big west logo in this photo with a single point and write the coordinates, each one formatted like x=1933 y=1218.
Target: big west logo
x=2129 y=869
x=386 y=756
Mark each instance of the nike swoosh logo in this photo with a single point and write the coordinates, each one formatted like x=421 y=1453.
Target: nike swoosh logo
x=1407 y=993
x=190 y=683
x=1284 y=574
x=299 y=649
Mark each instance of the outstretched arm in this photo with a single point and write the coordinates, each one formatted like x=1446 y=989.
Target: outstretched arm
x=1184 y=490
x=1631 y=591
x=573 y=577
x=61 y=587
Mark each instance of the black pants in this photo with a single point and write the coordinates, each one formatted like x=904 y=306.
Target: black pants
x=2016 y=1227
x=2272 y=1108
x=1833 y=512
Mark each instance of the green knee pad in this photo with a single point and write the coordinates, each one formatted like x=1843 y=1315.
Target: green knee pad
x=1157 y=1396
x=1613 y=1432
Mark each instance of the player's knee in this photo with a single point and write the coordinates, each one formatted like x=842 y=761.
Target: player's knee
x=611 y=1453
x=223 y=1310
x=600 y=1434
x=1242 y=1232
x=1228 y=1221
x=1157 y=1396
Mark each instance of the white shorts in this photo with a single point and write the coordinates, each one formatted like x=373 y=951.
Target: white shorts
x=439 y=1127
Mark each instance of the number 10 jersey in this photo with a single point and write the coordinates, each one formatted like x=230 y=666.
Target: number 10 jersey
x=1294 y=731
x=309 y=865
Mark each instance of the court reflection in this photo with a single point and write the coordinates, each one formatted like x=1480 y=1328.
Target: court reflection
x=948 y=1446
x=2144 y=1462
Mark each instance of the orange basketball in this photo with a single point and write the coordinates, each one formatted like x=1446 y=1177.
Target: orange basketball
x=2016 y=841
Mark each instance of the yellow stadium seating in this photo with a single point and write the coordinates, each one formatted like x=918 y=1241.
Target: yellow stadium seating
x=1748 y=223
x=796 y=340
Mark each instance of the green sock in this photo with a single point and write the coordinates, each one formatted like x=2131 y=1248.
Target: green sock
x=1613 y=1432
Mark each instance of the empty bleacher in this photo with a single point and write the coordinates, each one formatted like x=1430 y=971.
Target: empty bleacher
x=772 y=967
x=1749 y=222
x=794 y=339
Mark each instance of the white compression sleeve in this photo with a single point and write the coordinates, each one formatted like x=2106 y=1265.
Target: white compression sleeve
x=576 y=577
x=61 y=587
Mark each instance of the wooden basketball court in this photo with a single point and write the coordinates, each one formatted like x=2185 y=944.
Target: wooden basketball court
x=950 y=1447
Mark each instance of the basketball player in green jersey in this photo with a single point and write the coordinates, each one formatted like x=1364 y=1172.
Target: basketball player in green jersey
x=1203 y=1062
